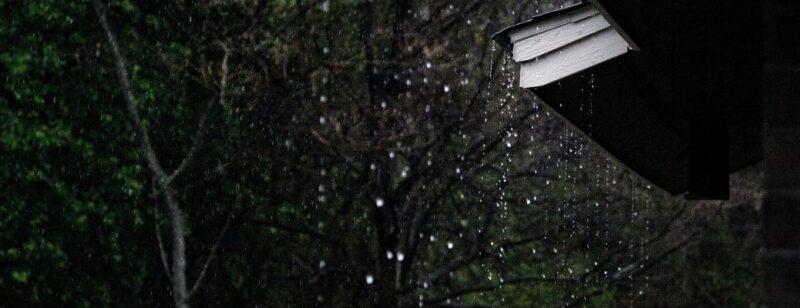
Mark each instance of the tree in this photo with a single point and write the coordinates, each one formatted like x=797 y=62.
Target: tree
x=163 y=179
x=307 y=153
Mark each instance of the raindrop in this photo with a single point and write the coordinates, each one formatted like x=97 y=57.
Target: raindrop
x=370 y=279
x=449 y=245
x=379 y=202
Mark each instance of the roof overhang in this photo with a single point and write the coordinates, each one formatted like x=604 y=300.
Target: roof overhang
x=669 y=88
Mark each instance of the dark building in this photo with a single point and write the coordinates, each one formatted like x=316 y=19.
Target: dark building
x=683 y=93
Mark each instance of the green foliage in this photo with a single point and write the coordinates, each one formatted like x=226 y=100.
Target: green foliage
x=71 y=196
x=320 y=119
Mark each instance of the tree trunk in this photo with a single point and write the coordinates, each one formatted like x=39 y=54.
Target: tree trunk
x=178 y=277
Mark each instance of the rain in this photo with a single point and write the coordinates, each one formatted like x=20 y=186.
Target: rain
x=327 y=154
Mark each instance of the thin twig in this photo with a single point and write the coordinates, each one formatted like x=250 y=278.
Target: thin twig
x=214 y=248
x=199 y=138
x=163 y=251
x=492 y=287
x=197 y=143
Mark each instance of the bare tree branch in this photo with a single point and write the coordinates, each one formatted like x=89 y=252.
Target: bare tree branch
x=202 y=128
x=492 y=287
x=297 y=230
x=213 y=251
x=197 y=143
x=130 y=100
x=163 y=252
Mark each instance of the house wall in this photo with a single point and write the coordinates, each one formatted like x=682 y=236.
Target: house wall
x=781 y=209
